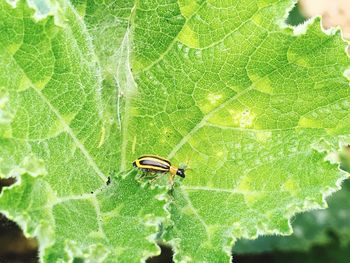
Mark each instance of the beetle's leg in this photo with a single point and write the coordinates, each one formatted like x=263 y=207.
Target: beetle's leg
x=171 y=186
x=155 y=178
x=171 y=180
x=171 y=194
x=143 y=174
x=148 y=174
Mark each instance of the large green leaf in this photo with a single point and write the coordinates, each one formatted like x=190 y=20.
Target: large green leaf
x=252 y=107
x=60 y=98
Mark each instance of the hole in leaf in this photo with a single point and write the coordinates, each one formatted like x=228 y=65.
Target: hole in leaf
x=166 y=255
x=14 y=246
x=108 y=180
x=6 y=182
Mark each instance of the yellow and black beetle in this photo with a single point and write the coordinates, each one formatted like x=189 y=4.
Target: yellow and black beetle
x=154 y=164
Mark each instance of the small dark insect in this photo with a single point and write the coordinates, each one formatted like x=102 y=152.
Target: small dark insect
x=153 y=164
x=108 y=180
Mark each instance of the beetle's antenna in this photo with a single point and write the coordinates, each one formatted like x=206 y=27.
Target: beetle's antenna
x=186 y=166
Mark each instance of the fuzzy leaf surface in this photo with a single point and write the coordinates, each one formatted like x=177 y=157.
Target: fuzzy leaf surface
x=310 y=229
x=251 y=107
x=61 y=139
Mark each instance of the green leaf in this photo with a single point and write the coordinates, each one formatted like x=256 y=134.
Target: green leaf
x=253 y=108
x=310 y=229
x=61 y=140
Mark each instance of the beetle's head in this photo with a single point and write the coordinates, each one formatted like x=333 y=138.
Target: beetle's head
x=181 y=172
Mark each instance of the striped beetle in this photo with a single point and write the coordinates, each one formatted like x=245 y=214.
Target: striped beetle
x=154 y=164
